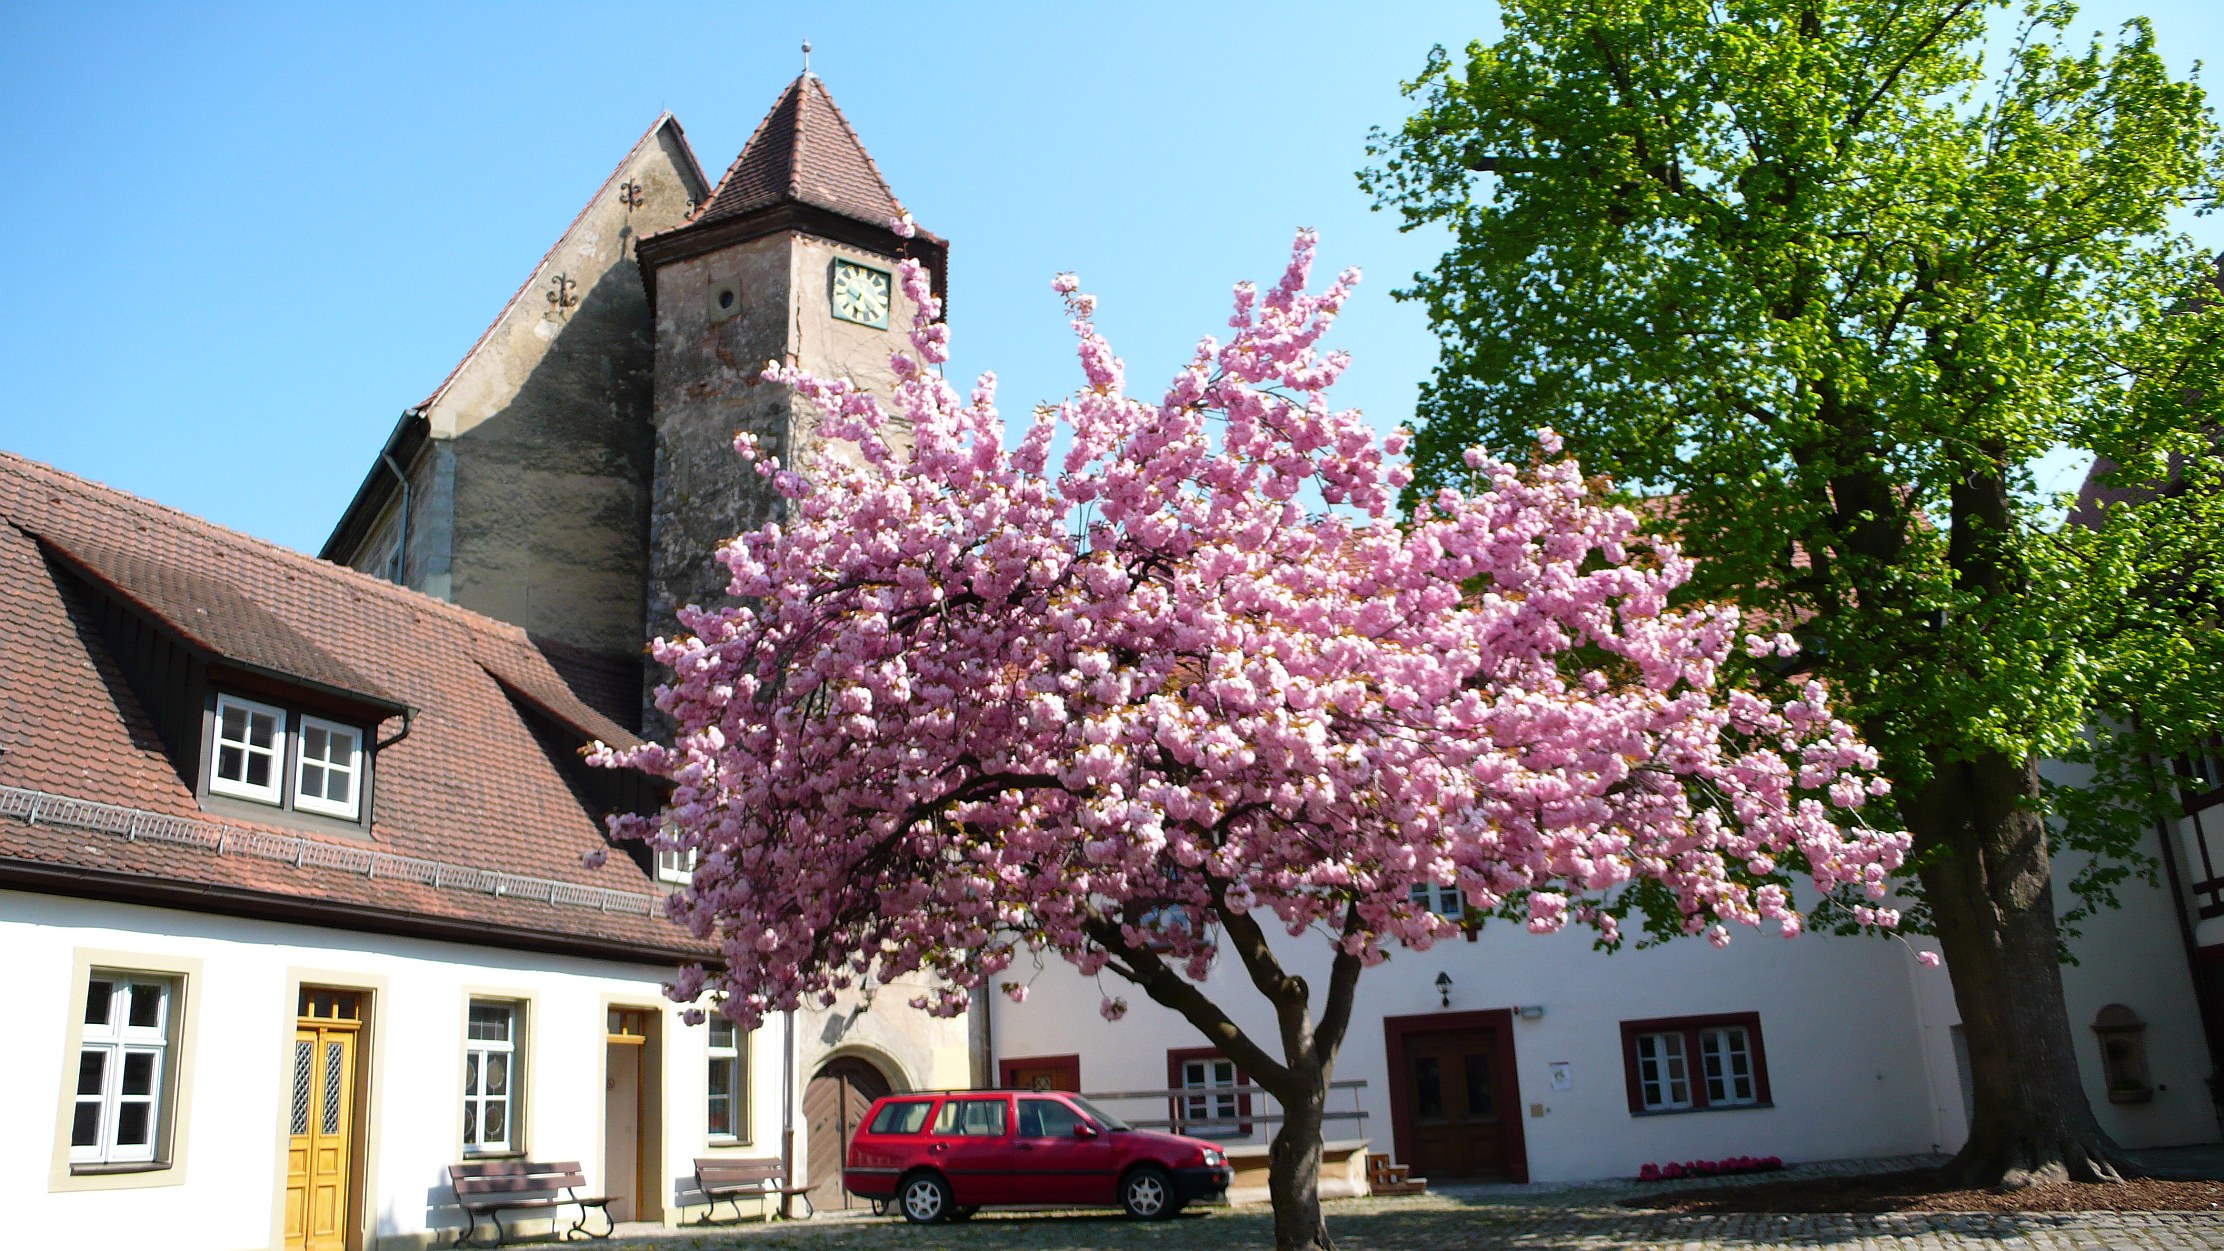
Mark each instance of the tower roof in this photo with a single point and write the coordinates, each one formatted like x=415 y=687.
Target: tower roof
x=806 y=152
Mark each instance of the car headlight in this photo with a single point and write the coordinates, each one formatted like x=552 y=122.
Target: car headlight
x=1213 y=1159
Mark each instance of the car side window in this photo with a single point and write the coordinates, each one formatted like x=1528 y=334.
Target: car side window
x=901 y=1118
x=971 y=1118
x=1046 y=1118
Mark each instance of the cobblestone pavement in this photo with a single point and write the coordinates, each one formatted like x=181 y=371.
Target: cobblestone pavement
x=1569 y=1219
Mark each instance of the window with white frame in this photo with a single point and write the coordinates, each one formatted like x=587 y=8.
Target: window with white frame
x=287 y=759
x=1663 y=1073
x=728 y=1105
x=327 y=777
x=676 y=865
x=250 y=750
x=1692 y=1064
x=122 y=1059
x=1726 y=1061
x=1217 y=1106
x=1441 y=900
x=492 y=1067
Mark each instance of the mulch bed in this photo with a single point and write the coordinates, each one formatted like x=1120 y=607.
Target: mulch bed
x=1919 y=1191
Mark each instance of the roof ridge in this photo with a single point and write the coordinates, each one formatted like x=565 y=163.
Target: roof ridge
x=255 y=543
x=711 y=197
x=534 y=274
x=870 y=164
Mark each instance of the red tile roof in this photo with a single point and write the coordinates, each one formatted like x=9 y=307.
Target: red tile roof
x=804 y=150
x=470 y=791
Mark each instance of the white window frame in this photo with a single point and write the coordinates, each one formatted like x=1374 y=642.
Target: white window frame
x=306 y=802
x=1717 y=1066
x=275 y=793
x=116 y=1041
x=1210 y=1105
x=1661 y=1067
x=733 y=1056
x=676 y=865
x=477 y=1055
x=1444 y=901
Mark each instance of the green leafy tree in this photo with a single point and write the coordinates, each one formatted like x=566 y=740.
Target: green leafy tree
x=1817 y=271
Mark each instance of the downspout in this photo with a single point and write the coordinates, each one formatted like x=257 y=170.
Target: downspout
x=401 y=541
x=787 y=1111
x=370 y=796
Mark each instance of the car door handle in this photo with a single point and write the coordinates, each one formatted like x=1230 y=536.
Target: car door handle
x=1023 y=1146
x=936 y=1149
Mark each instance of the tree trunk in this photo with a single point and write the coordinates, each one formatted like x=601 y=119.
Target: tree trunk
x=1294 y=1164
x=1991 y=898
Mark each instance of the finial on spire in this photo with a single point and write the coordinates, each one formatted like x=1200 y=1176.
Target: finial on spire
x=806 y=56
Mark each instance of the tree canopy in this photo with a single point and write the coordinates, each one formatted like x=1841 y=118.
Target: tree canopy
x=1822 y=274
x=1195 y=682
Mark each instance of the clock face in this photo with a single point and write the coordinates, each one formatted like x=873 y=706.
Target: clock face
x=861 y=294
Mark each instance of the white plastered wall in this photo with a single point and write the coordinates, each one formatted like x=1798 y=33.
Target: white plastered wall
x=228 y=1188
x=1842 y=1021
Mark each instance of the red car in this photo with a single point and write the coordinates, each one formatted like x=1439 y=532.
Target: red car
x=945 y=1156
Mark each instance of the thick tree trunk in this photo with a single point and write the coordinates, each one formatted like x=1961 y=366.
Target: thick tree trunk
x=1991 y=897
x=1294 y=1164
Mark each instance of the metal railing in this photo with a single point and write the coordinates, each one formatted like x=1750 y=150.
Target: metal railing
x=1241 y=1112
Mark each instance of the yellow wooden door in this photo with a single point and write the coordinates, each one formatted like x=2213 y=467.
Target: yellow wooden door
x=322 y=1121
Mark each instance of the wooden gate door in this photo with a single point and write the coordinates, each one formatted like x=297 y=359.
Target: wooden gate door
x=622 y=1122
x=833 y=1104
x=1455 y=1106
x=321 y=1127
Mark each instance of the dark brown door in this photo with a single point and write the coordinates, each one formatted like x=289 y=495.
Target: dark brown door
x=833 y=1104
x=1454 y=1105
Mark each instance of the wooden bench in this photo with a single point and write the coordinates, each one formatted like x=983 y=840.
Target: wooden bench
x=496 y=1186
x=720 y=1177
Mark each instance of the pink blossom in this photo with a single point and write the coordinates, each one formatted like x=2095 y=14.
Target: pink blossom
x=970 y=702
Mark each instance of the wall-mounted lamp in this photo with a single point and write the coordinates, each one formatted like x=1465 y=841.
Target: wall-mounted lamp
x=1531 y=1012
x=1444 y=988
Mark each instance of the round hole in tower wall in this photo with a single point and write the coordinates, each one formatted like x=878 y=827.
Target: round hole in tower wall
x=725 y=300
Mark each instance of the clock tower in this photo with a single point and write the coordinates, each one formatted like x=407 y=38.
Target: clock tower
x=791 y=257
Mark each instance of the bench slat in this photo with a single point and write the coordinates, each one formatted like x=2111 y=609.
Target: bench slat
x=511 y=1168
x=517 y=1185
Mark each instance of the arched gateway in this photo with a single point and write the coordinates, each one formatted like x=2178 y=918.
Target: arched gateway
x=833 y=1104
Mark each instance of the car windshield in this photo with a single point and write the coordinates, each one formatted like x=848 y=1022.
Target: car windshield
x=1105 y=1120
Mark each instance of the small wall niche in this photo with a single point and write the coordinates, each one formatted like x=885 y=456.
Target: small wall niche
x=725 y=299
x=2123 y=1054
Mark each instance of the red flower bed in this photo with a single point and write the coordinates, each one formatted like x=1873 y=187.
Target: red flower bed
x=1709 y=1168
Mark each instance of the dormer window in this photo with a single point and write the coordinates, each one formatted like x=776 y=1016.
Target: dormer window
x=330 y=758
x=250 y=741
x=286 y=759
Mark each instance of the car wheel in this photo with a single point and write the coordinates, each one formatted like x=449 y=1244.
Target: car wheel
x=1148 y=1194
x=924 y=1199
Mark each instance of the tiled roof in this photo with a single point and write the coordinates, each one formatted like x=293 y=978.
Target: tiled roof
x=212 y=615
x=804 y=150
x=470 y=786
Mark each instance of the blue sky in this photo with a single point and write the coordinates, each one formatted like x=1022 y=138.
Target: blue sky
x=248 y=236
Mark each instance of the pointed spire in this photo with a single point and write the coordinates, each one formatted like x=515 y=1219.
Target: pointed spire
x=804 y=151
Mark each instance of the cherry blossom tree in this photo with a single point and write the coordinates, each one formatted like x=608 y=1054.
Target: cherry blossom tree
x=972 y=706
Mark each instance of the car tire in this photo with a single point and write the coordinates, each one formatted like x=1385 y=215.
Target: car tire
x=1147 y=1194
x=924 y=1199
